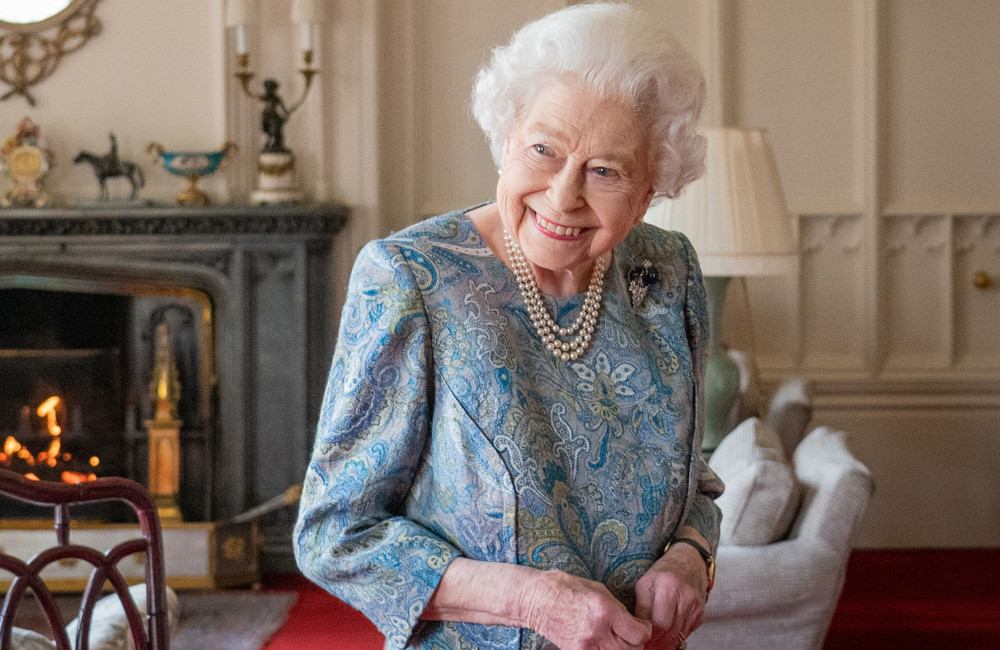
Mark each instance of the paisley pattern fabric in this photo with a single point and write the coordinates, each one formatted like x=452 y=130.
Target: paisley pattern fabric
x=448 y=430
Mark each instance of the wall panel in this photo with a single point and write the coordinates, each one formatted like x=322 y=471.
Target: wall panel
x=795 y=67
x=916 y=261
x=832 y=303
x=935 y=473
x=977 y=310
x=941 y=98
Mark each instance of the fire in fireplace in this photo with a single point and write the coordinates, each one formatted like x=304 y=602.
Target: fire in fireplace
x=76 y=371
x=50 y=461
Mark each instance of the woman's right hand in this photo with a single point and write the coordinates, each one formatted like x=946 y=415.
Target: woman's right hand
x=576 y=613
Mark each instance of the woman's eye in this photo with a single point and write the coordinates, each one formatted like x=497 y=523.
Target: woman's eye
x=605 y=172
x=542 y=149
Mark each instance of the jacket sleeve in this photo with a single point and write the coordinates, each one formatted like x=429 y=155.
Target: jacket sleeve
x=703 y=515
x=351 y=536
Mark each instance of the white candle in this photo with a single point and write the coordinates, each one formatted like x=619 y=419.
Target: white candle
x=241 y=39
x=305 y=30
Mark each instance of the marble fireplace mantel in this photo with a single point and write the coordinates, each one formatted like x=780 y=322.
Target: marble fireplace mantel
x=291 y=220
x=267 y=271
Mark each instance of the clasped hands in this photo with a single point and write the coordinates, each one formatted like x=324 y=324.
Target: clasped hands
x=576 y=613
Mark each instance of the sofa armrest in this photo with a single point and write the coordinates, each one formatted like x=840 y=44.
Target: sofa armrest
x=836 y=490
x=777 y=578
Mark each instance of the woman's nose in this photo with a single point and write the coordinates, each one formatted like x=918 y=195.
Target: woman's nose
x=565 y=191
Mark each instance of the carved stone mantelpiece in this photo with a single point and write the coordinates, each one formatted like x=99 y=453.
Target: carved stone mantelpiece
x=225 y=220
x=266 y=271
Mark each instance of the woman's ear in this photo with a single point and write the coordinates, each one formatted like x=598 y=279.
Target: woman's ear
x=646 y=200
x=505 y=153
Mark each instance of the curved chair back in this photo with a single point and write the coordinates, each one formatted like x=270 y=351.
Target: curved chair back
x=26 y=574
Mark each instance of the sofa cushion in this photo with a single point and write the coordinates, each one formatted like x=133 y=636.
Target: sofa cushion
x=109 y=628
x=789 y=412
x=22 y=639
x=762 y=493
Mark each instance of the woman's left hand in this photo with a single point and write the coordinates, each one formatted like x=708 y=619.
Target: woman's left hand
x=671 y=595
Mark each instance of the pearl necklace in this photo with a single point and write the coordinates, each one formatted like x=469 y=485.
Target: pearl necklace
x=546 y=326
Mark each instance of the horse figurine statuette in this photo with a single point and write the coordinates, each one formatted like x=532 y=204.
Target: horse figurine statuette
x=109 y=166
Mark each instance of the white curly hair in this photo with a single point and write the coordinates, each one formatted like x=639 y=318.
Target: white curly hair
x=618 y=54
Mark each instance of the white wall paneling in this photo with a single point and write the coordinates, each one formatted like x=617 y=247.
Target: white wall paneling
x=916 y=263
x=882 y=114
x=976 y=243
x=934 y=466
x=833 y=298
x=941 y=98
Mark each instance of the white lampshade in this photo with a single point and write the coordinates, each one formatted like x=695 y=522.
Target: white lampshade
x=308 y=11
x=735 y=215
x=242 y=12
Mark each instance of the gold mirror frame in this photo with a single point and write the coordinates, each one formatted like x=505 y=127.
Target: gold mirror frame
x=28 y=54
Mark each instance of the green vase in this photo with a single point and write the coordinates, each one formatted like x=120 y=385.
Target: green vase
x=722 y=376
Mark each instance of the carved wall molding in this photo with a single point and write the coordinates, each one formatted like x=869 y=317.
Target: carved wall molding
x=819 y=231
x=930 y=232
x=976 y=231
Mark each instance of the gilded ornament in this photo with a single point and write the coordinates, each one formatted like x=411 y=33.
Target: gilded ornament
x=25 y=158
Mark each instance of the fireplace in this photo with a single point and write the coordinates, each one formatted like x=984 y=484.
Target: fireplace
x=244 y=294
x=76 y=367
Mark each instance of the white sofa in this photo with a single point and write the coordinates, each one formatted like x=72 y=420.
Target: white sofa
x=781 y=595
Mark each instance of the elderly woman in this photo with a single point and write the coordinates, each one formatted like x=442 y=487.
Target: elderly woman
x=509 y=450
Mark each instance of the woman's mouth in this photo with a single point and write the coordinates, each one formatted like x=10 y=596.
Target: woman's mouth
x=554 y=230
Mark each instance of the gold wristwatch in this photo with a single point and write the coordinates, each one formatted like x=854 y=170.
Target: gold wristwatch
x=703 y=552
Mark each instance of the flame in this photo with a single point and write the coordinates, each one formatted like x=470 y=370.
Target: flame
x=47 y=410
x=54 y=453
x=11 y=446
x=75 y=477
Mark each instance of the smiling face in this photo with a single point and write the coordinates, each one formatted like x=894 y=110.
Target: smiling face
x=576 y=178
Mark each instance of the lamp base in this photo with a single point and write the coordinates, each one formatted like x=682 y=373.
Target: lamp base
x=722 y=376
x=722 y=389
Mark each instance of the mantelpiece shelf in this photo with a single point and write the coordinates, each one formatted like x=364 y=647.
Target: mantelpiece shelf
x=227 y=219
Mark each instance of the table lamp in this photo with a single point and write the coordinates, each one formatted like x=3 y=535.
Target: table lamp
x=737 y=221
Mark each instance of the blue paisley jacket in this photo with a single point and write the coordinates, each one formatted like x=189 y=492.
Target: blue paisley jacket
x=448 y=430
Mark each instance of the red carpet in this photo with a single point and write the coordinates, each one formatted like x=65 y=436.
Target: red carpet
x=918 y=599
x=912 y=599
x=318 y=621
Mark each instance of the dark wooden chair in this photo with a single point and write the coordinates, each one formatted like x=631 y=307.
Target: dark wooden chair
x=26 y=574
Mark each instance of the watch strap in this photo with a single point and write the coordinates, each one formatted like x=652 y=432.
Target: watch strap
x=703 y=552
